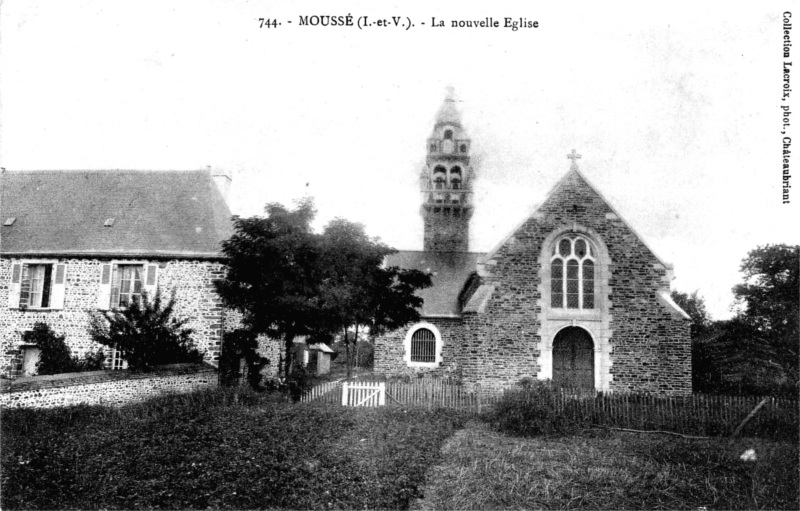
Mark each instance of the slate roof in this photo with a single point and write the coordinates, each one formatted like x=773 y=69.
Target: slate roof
x=449 y=273
x=156 y=213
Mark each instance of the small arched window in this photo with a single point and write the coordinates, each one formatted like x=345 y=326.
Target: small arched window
x=423 y=346
x=448 y=134
x=572 y=274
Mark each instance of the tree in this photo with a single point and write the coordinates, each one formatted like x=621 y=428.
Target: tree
x=237 y=346
x=288 y=281
x=357 y=292
x=769 y=301
x=695 y=306
x=146 y=333
x=273 y=276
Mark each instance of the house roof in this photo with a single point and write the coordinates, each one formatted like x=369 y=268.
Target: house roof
x=449 y=272
x=152 y=213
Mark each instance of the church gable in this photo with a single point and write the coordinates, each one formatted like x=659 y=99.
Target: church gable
x=573 y=294
x=574 y=263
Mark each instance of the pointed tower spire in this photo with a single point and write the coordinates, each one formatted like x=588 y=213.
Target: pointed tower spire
x=448 y=113
x=446 y=182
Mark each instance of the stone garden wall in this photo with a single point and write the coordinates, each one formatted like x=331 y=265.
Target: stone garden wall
x=112 y=388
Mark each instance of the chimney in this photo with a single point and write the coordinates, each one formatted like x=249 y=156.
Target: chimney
x=223 y=181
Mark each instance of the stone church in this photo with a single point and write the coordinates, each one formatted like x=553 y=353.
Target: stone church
x=572 y=294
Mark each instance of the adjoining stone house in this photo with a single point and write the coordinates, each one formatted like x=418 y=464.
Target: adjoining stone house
x=72 y=242
x=572 y=294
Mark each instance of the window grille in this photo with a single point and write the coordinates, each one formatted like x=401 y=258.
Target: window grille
x=423 y=346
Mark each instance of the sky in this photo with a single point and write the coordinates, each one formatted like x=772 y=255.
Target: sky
x=675 y=108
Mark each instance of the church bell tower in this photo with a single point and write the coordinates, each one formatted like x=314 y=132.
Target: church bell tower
x=446 y=183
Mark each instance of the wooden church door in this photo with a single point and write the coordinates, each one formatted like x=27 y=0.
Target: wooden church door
x=573 y=358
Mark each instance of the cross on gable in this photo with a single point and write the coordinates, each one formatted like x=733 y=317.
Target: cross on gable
x=573 y=156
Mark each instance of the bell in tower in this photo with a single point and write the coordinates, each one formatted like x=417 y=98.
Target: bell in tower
x=446 y=183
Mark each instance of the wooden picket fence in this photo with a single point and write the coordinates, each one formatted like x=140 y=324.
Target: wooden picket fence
x=692 y=414
x=424 y=392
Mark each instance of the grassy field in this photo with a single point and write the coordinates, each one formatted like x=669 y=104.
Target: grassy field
x=482 y=469
x=200 y=451
x=203 y=451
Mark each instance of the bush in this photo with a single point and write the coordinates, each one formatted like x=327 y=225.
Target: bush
x=55 y=357
x=237 y=345
x=299 y=382
x=531 y=411
x=146 y=333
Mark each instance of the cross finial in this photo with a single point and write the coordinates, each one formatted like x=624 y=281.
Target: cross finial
x=450 y=92
x=573 y=156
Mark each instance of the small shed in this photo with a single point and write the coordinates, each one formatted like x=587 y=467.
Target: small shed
x=319 y=358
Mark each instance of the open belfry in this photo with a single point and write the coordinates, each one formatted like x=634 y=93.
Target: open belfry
x=571 y=294
x=446 y=183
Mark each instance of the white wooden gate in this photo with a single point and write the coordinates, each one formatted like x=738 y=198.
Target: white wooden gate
x=364 y=394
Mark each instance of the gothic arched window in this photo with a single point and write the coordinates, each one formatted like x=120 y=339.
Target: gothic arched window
x=572 y=274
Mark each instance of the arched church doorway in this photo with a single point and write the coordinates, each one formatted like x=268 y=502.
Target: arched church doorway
x=573 y=358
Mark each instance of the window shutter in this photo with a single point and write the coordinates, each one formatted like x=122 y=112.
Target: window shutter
x=16 y=281
x=58 y=288
x=151 y=280
x=104 y=292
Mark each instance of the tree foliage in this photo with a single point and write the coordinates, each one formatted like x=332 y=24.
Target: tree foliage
x=770 y=300
x=288 y=281
x=273 y=275
x=756 y=351
x=357 y=292
x=695 y=306
x=146 y=332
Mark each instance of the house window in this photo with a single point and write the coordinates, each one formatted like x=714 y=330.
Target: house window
x=572 y=274
x=423 y=346
x=126 y=284
x=37 y=285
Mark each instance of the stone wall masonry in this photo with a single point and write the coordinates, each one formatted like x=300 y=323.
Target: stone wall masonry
x=112 y=388
x=192 y=280
x=390 y=350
